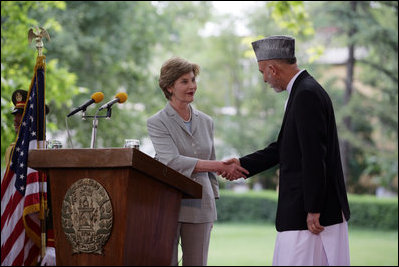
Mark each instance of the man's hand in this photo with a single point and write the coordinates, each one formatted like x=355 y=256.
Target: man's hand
x=313 y=223
x=232 y=170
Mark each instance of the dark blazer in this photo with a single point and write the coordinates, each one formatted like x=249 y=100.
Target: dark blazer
x=307 y=150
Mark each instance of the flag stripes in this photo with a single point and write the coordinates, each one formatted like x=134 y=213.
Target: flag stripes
x=23 y=188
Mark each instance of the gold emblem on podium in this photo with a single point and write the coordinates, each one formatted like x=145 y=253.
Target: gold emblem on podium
x=87 y=216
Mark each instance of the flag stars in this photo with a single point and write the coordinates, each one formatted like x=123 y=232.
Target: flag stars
x=30 y=133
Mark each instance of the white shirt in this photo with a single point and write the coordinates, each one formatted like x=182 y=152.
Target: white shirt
x=289 y=87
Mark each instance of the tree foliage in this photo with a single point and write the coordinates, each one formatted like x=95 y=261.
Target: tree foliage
x=120 y=46
x=18 y=59
x=373 y=105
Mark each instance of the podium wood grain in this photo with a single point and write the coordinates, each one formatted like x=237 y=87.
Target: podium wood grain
x=145 y=197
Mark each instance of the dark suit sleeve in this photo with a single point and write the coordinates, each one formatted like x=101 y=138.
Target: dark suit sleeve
x=260 y=160
x=311 y=123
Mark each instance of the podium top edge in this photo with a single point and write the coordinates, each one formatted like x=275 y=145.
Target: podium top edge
x=44 y=159
x=81 y=157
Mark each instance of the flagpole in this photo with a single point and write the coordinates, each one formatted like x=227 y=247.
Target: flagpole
x=38 y=34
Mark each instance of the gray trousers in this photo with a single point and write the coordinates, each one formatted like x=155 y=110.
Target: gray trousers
x=194 y=239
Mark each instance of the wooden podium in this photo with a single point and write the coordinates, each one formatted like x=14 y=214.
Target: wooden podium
x=143 y=196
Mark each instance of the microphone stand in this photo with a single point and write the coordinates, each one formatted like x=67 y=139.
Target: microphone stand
x=94 y=132
x=95 y=124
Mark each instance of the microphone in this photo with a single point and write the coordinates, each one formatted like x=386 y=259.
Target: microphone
x=95 y=98
x=119 y=97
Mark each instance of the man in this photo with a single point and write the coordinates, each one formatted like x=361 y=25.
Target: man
x=19 y=99
x=313 y=210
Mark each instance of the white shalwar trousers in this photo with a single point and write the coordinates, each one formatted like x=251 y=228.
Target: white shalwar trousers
x=303 y=248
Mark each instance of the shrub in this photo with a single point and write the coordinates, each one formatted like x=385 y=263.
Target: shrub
x=247 y=207
x=260 y=206
x=372 y=212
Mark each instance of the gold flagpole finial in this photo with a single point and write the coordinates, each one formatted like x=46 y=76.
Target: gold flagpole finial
x=38 y=33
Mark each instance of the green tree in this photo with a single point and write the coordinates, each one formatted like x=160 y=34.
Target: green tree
x=367 y=119
x=380 y=70
x=18 y=59
x=120 y=46
x=111 y=47
x=107 y=45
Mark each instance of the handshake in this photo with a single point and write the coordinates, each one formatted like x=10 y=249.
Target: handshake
x=231 y=170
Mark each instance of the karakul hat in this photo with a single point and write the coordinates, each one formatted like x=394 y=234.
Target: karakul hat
x=274 y=47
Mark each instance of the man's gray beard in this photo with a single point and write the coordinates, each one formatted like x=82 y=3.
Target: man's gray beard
x=278 y=90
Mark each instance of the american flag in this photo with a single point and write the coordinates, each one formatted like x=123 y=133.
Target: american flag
x=24 y=190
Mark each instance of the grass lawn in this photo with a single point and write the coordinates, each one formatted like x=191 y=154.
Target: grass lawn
x=246 y=244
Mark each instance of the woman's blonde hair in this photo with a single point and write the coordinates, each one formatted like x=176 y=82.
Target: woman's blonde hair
x=172 y=70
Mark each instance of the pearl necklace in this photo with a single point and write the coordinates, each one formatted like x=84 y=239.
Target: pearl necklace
x=189 y=118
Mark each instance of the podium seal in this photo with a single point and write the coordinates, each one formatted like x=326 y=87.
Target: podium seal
x=87 y=216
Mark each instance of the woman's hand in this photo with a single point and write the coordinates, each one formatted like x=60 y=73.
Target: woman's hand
x=231 y=170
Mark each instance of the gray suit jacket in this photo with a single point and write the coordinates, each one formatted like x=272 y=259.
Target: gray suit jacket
x=179 y=149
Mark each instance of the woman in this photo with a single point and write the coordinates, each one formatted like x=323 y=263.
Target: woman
x=183 y=140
